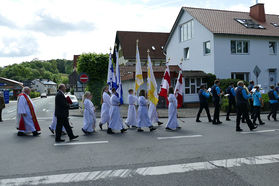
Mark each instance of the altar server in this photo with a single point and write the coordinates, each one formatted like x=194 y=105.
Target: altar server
x=89 y=117
x=172 y=111
x=105 y=108
x=131 y=120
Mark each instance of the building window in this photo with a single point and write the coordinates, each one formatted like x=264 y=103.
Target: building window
x=240 y=75
x=206 y=47
x=192 y=85
x=186 y=53
x=186 y=31
x=272 y=47
x=239 y=47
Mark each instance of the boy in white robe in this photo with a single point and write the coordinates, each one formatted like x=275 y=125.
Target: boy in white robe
x=131 y=120
x=52 y=127
x=172 y=111
x=89 y=117
x=142 y=118
x=116 y=121
x=105 y=108
x=153 y=115
x=26 y=117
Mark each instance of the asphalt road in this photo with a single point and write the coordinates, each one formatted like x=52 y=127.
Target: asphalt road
x=198 y=154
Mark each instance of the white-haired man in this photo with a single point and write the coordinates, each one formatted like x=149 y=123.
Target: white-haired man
x=26 y=117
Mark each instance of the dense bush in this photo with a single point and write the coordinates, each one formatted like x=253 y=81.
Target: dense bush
x=35 y=94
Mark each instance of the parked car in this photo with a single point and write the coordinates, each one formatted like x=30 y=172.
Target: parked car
x=75 y=104
x=43 y=95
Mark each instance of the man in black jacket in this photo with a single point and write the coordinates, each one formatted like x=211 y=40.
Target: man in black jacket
x=62 y=114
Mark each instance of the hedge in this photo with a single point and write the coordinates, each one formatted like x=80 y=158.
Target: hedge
x=34 y=94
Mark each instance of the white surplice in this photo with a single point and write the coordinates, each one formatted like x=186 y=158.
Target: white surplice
x=142 y=118
x=116 y=121
x=23 y=108
x=132 y=113
x=105 y=108
x=152 y=113
x=89 y=117
x=172 y=112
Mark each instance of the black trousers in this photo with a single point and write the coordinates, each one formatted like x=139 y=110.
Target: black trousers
x=63 y=121
x=204 y=106
x=242 y=110
x=273 y=111
x=251 y=108
x=257 y=114
x=0 y=114
x=231 y=104
x=216 y=111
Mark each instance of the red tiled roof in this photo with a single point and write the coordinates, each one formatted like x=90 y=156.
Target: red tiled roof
x=128 y=39
x=222 y=22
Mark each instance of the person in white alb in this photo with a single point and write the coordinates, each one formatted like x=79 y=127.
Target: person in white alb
x=116 y=121
x=26 y=117
x=89 y=117
x=142 y=118
x=105 y=108
x=131 y=120
x=153 y=115
x=172 y=111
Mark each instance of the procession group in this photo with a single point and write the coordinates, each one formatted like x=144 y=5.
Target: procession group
x=145 y=116
x=243 y=99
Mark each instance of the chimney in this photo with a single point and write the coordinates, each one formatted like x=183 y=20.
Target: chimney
x=257 y=12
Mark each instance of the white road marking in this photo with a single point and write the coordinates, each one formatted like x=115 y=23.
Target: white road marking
x=178 y=137
x=260 y=131
x=79 y=143
x=145 y=171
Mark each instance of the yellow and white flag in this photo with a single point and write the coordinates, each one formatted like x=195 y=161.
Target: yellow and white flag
x=151 y=83
x=138 y=77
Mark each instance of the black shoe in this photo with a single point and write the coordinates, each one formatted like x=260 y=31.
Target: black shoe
x=101 y=126
x=1 y=120
x=123 y=130
x=178 y=127
x=262 y=123
x=214 y=123
x=169 y=129
x=228 y=119
x=239 y=130
x=63 y=133
x=133 y=126
x=198 y=121
x=254 y=127
x=160 y=123
x=52 y=131
x=21 y=134
x=84 y=131
x=35 y=133
x=109 y=131
x=275 y=119
x=268 y=117
x=59 y=140
x=73 y=137
x=219 y=122
x=140 y=130
x=152 y=128
x=210 y=120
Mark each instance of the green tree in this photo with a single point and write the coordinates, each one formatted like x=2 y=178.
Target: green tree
x=95 y=65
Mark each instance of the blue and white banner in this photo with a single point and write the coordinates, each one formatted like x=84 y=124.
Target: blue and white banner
x=118 y=79
x=111 y=81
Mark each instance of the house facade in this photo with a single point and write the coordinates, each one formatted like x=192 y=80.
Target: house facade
x=44 y=86
x=228 y=44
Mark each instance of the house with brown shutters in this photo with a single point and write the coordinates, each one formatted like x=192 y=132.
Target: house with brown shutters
x=229 y=44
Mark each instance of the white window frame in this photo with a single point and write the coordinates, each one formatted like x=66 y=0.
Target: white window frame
x=204 y=48
x=242 y=47
x=186 y=31
x=275 y=49
x=195 y=84
x=246 y=75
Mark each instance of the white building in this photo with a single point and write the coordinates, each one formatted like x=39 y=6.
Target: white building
x=228 y=44
x=44 y=86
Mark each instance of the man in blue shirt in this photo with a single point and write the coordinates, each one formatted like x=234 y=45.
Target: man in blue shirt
x=231 y=97
x=250 y=88
x=277 y=88
x=273 y=100
x=257 y=103
x=216 y=93
x=203 y=96
x=242 y=107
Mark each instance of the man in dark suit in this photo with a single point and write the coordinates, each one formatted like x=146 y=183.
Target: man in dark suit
x=2 y=105
x=62 y=114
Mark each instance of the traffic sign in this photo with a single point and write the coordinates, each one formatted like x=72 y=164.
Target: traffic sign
x=257 y=71
x=6 y=96
x=83 y=78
